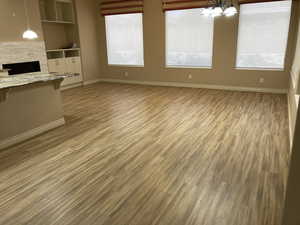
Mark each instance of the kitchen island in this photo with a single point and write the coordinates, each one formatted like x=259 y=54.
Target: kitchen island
x=30 y=104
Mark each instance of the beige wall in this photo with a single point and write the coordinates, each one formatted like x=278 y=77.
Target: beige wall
x=223 y=72
x=293 y=94
x=90 y=49
x=291 y=211
x=52 y=31
x=13 y=20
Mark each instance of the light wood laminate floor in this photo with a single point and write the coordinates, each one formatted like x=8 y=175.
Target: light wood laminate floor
x=141 y=155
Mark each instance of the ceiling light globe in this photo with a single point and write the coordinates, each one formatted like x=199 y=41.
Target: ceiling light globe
x=207 y=11
x=230 y=11
x=30 y=35
x=217 y=12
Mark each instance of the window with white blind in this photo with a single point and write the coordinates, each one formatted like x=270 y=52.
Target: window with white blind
x=124 y=37
x=263 y=35
x=189 y=38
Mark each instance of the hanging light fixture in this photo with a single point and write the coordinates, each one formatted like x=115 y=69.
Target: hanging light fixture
x=219 y=8
x=230 y=11
x=217 y=11
x=28 y=34
x=207 y=11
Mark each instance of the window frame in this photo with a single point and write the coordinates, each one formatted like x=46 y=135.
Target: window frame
x=264 y=68
x=106 y=42
x=187 y=67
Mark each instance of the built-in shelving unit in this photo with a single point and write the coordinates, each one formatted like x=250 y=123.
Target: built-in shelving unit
x=57 y=11
x=65 y=61
x=61 y=38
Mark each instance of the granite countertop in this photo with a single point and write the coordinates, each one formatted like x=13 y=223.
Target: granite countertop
x=24 y=79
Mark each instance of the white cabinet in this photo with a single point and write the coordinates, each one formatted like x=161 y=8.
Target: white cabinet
x=66 y=65
x=57 y=65
x=73 y=65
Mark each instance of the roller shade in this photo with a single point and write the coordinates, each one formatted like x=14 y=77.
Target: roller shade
x=115 y=7
x=263 y=35
x=168 y=5
x=256 y=1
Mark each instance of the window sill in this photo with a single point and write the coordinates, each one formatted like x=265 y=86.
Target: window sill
x=259 y=69
x=188 y=67
x=124 y=65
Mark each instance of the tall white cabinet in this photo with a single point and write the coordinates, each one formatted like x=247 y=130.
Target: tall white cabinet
x=62 y=39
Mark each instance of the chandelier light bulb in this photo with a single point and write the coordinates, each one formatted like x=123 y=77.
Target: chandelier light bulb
x=230 y=11
x=207 y=11
x=30 y=35
x=217 y=11
x=220 y=7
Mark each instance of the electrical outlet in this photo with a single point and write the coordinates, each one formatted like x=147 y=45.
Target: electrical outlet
x=261 y=80
x=190 y=76
x=126 y=74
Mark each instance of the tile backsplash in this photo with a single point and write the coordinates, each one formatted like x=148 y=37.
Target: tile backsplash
x=24 y=51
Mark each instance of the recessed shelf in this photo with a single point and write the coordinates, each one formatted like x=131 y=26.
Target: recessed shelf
x=64 y=11
x=57 y=11
x=63 y=53
x=74 y=53
x=63 y=49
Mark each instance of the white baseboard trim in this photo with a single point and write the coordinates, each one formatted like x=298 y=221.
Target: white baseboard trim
x=290 y=121
x=31 y=133
x=88 y=82
x=191 y=85
x=69 y=86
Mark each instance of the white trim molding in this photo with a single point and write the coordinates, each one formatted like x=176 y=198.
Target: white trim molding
x=69 y=86
x=295 y=81
x=88 y=82
x=193 y=85
x=31 y=133
x=290 y=121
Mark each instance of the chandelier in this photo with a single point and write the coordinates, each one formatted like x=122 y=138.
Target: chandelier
x=219 y=8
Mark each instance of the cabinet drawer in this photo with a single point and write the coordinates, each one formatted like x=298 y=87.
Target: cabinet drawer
x=73 y=64
x=57 y=65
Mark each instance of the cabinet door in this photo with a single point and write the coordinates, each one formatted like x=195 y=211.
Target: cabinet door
x=57 y=65
x=74 y=66
x=52 y=66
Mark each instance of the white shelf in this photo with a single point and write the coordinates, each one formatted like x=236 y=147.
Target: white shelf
x=57 y=22
x=64 y=1
x=63 y=50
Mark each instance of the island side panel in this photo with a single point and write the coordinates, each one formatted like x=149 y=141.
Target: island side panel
x=29 y=110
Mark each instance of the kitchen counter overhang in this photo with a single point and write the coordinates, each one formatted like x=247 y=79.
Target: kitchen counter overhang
x=9 y=82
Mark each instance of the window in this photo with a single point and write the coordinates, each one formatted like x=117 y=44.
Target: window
x=124 y=36
x=189 y=38
x=263 y=34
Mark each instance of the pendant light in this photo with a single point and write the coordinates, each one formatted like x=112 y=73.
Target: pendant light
x=28 y=34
